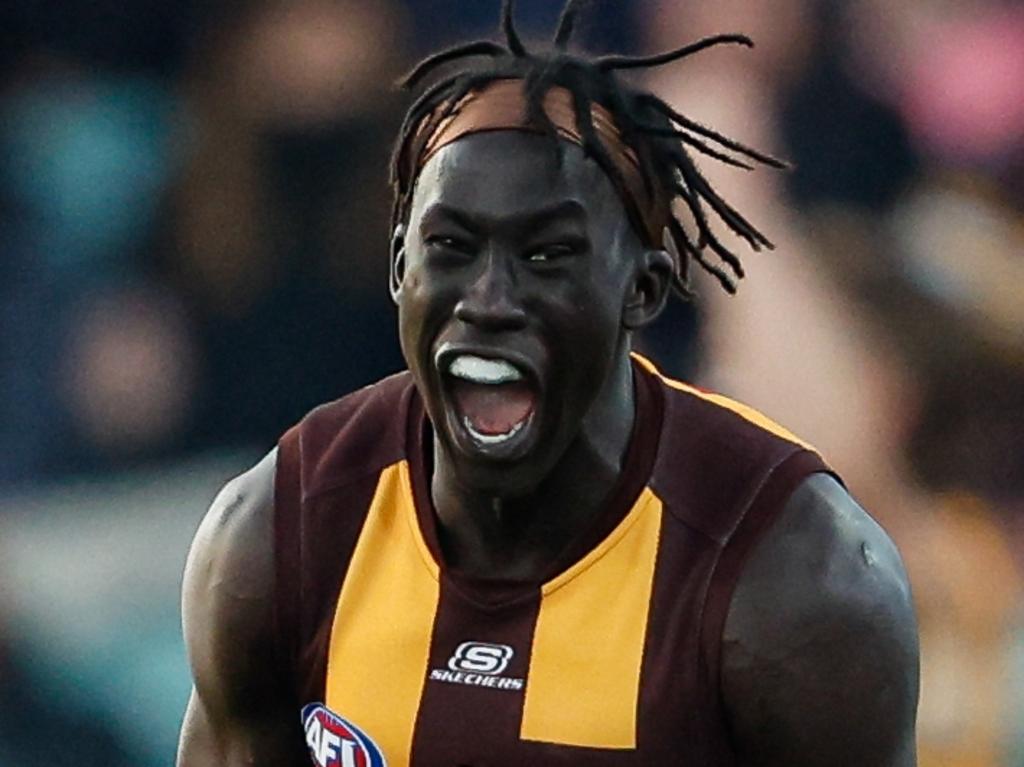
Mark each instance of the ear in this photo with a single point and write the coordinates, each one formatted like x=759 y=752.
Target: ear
x=397 y=272
x=652 y=282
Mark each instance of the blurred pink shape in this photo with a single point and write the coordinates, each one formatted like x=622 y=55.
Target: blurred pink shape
x=130 y=370
x=964 y=96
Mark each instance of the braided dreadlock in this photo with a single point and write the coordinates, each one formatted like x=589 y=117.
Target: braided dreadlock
x=657 y=133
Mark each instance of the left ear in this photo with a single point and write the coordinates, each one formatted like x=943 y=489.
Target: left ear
x=649 y=292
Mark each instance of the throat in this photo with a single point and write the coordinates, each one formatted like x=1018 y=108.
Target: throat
x=499 y=541
x=523 y=539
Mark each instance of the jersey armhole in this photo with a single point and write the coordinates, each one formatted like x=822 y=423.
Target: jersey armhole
x=287 y=554
x=766 y=505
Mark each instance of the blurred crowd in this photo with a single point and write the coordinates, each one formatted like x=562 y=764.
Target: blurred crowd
x=193 y=253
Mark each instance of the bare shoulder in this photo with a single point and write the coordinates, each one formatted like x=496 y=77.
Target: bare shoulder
x=227 y=596
x=240 y=712
x=819 y=652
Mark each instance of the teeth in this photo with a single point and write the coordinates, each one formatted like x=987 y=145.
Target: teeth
x=492 y=439
x=483 y=371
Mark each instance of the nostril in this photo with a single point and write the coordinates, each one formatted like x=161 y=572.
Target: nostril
x=498 y=314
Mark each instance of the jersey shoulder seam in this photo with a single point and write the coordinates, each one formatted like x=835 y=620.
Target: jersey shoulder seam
x=740 y=409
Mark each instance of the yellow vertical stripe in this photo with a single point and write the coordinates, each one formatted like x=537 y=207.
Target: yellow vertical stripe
x=380 y=638
x=745 y=411
x=584 y=678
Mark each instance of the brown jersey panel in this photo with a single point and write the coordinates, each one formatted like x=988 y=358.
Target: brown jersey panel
x=714 y=455
x=287 y=546
x=674 y=718
x=358 y=434
x=476 y=678
x=711 y=464
x=757 y=518
x=723 y=471
x=328 y=468
x=331 y=524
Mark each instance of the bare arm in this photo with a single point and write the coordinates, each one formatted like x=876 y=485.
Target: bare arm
x=819 y=655
x=239 y=714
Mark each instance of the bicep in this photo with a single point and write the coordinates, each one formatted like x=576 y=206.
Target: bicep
x=820 y=646
x=240 y=712
x=212 y=740
x=198 y=746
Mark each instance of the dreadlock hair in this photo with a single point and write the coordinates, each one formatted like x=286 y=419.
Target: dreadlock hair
x=661 y=137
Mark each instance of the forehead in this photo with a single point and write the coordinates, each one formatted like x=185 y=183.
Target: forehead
x=501 y=174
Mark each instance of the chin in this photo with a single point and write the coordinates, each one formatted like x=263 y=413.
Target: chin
x=511 y=467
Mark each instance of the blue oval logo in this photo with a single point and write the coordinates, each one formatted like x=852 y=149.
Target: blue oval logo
x=335 y=742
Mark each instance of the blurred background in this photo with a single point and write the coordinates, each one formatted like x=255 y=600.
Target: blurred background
x=193 y=253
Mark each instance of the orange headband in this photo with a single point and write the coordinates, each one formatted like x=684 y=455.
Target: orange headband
x=502 y=105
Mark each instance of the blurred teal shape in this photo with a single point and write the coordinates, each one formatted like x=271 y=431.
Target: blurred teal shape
x=134 y=680
x=87 y=160
x=91 y=569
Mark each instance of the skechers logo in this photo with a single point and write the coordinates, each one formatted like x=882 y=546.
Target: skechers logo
x=479 y=664
x=336 y=742
x=481 y=658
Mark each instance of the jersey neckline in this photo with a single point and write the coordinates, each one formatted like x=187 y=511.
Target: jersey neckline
x=626 y=495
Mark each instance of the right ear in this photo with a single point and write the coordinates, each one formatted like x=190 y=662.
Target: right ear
x=397 y=272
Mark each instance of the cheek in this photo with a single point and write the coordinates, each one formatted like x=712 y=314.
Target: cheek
x=423 y=307
x=587 y=338
x=412 y=308
x=596 y=314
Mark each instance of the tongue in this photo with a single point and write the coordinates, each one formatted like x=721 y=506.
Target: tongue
x=494 y=409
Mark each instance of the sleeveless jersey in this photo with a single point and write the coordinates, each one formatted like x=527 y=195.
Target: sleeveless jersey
x=611 y=660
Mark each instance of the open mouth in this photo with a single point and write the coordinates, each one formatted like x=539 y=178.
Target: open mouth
x=494 y=401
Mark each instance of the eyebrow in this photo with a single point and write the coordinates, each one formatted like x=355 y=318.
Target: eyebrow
x=474 y=222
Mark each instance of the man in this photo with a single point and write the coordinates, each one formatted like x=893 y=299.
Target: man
x=532 y=548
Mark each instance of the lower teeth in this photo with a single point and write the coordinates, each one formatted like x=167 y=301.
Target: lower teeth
x=492 y=439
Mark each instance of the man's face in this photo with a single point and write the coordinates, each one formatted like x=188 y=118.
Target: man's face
x=516 y=273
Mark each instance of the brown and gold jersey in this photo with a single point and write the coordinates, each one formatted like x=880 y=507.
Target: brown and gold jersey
x=611 y=660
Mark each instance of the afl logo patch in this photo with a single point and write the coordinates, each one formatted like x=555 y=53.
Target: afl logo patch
x=336 y=742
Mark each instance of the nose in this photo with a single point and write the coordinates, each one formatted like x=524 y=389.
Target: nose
x=491 y=302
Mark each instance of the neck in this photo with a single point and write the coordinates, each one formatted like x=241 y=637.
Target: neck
x=517 y=538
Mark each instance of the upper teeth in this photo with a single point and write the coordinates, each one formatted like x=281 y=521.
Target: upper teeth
x=483 y=371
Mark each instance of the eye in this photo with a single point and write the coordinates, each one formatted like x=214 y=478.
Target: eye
x=552 y=252
x=447 y=243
